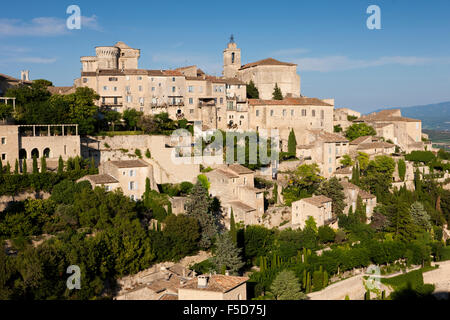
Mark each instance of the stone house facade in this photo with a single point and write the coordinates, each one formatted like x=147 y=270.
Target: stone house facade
x=214 y=287
x=351 y=196
x=318 y=207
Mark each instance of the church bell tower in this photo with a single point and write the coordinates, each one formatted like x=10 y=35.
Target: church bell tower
x=231 y=59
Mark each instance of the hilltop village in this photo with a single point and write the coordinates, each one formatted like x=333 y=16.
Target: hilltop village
x=88 y=176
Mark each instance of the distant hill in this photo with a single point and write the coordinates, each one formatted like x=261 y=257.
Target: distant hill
x=434 y=116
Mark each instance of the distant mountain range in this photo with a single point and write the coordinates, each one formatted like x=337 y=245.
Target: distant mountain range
x=434 y=116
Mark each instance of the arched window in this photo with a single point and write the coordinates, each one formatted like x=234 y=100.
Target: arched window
x=47 y=153
x=35 y=153
x=22 y=154
x=232 y=57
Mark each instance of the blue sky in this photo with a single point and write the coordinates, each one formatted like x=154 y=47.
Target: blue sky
x=405 y=63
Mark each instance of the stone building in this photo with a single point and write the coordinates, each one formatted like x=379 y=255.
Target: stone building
x=389 y=124
x=234 y=186
x=324 y=148
x=373 y=146
x=128 y=175
x=318 y=207
x=264 y=73
x=214 y=287
x=22 y=142
x=7 y=82
x=351 y=197
x=342 y=117
x=298 y=114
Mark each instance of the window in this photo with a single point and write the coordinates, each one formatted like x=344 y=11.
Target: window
x=129 y=99
x=314 y=113
x=128 y=77
x=153 y=88
x=131 y=185
x=191 y=111
x=140 y=88
x=221 y=100
x=127 y=88
x=329 y=160
x=105 y=88
x=284 y=112
x=139 y=78
x=132 y=173
x=303 y=112
x=141 y=100
x=191 y=89
x=113 y=79
x=257 y=113
x=3 y=140
x=173 y=79
x=329 y=170
x=200 y=89
x=292 y=112
x=3 y=156
x=115 y=88
x=173 y=89
x=271 y=113
x=322 y=114
x=108 y=188
x=85 y=80
x=191 y=100
x=232 y=57
x=132 y=197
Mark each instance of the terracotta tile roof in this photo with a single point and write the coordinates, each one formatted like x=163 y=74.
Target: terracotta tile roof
x=386 y=115
x=361 y=140
x=302 y=101
x=225 y=80
x=144 y=72
x=267 y=62
x=61 y=90
x=240 y=205
x=239 y=169
x=129 y=163
x=9 y=78
x=363 y=194
x=225 y=173
x=101 y=179
x=375 y=145
x=168 y=297
x=317 y=201
x=172 y=73
x=328 y=136
x=217 y=282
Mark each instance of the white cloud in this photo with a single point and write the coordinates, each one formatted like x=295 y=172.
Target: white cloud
x=43 y=26
x=341 y=63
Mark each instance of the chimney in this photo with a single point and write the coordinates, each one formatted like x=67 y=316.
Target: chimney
x=227 y=272
x=25 y=75
x=202 y=281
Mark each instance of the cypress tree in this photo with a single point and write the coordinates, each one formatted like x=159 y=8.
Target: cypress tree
x=43 y=165
x=292 y=143
x=77 y=164
x=275 y=193
x=277 y=94
x=1 y=167
x=308 y=283
x=24 y=166
x=8 y=168
x=92 y=168
x=252 y=91
x=233 y=231
x=60 y=165
x=16 y=167
x=35 y=165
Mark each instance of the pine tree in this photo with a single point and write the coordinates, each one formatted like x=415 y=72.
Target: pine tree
x=227 y=255
x=43 y=165
x=420 y=216
x=60 y=166
x=292 y=143
x=400 y=221
x=35 y=165
x=233 y=231
x=252 y=91
x=16 y=167
x=199 y=206
x=285 y=286
x=277 y=94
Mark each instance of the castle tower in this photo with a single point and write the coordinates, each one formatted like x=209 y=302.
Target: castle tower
x=25 y=75
x=231 y=59
x=108 y=57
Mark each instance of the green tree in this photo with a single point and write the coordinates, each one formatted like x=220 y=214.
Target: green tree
x=326 y=234
x=16 y=167
x=252 y=91
x=112 y=117
x=333 y=189
x=277 y=94
x=43 y=164
x=184 y=233
x=35 y=165
x=131 y=117
x=227 y=255
x=363 y=160
x=420 y=216
x=60 y=165
x=401 y=165
x=6 y=111
x=233 y=231
x=199 y=206
x=286 y=286
x=347 y=161
x=292 y=143
x=24 y=166
x=357 y=130
x=204 y=181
